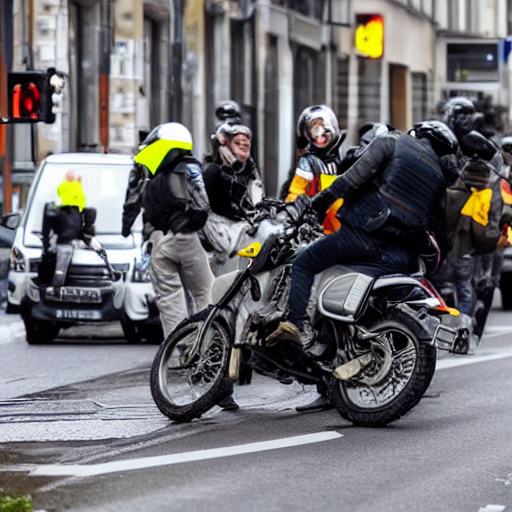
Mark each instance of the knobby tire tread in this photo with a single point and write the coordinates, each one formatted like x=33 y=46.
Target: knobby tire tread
x=408 y=397
x=221 y=388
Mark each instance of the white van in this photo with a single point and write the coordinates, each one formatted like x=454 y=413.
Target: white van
x=90 y=294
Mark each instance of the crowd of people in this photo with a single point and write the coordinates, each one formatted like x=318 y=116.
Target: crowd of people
x=435 y=191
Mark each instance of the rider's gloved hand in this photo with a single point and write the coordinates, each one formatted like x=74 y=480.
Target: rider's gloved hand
x=321 y=203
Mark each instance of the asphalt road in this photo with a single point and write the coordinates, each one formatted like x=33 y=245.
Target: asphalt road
x=94 y=441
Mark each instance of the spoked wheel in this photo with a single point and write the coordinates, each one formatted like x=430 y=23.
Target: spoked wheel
x=189 y=377
x=395 y=380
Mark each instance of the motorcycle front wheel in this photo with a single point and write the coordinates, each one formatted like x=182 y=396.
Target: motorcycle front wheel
x=188 y=378
x=393 y=383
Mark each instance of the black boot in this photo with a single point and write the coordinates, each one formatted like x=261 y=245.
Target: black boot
x=228 y=404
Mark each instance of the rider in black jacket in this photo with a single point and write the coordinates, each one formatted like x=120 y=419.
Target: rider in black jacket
x=391 y=194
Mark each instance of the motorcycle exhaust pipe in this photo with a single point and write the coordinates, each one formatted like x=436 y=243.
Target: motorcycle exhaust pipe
x=349 y=370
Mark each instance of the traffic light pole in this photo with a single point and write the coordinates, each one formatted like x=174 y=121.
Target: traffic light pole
x=5 y=132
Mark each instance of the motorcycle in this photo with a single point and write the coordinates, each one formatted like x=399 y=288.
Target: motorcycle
x=375 y=349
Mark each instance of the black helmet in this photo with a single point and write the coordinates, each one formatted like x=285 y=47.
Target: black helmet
x=441 y=138
x=474 y=144
x=376 y=130
x=319 y=118
x=459 y=114
x=229 y=112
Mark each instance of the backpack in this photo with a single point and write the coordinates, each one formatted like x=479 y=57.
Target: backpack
x=175 y=199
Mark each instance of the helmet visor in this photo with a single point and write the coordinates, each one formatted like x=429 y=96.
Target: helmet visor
x=321 y=133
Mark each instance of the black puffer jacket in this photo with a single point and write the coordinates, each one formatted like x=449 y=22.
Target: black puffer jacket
x=228 y=188
x=394 y=188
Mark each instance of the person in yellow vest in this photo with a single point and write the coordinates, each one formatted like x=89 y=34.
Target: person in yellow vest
x=71 y=223
x=318 y=167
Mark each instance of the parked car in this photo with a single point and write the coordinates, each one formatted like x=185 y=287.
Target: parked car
x=92 y=293
x=8 y=224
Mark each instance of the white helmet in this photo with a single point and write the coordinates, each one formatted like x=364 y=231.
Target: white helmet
x=160 y=141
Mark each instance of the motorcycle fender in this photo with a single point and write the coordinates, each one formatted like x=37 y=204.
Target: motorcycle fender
x=427 y=326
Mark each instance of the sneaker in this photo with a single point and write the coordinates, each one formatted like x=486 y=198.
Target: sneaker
x=284 y=331
x=228 y=404
x=288 y=331
x=322 y=403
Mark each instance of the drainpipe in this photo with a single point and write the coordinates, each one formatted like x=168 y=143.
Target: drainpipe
x=176 y=60
x=5 y=130
x=106 y=45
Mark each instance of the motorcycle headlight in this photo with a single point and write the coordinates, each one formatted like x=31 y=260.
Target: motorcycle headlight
x=17 y=261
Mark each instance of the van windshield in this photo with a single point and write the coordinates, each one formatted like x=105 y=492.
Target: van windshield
x=104 y=187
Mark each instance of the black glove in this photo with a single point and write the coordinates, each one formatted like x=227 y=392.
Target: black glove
x=321 y=203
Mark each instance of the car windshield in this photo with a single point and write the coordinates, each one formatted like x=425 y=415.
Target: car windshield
x=104 y=187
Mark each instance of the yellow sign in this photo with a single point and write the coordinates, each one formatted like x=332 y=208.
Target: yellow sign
x=369 y=38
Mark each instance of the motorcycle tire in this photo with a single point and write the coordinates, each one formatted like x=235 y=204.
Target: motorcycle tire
x=186 y=383
x=374 y=399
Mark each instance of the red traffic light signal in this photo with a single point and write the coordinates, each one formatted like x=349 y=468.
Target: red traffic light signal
x=26 y=101
x=25 y=97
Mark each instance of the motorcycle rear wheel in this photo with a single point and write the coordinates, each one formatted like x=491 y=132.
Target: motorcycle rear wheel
x=186 y=383
x=374 y=400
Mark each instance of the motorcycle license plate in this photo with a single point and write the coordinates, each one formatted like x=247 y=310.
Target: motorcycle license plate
x=74 y=314
x=445 y=337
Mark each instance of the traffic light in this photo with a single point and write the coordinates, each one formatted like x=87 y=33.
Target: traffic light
x=32 y=95
x=52 y=87
x=25 y=97
x=369 y=38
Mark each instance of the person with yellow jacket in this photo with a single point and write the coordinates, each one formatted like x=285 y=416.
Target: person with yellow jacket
x=72 y=223
x=318 y=167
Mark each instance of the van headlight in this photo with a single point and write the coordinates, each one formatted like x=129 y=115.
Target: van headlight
x=17 y=261
x=141 y=270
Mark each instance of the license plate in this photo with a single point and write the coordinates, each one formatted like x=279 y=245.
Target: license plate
x=76 y=314
x=73 y=294
x=445 y=337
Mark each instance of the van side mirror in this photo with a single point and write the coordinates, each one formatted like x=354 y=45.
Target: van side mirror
x=10 y=220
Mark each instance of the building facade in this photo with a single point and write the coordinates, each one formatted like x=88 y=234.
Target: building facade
x=133 y=64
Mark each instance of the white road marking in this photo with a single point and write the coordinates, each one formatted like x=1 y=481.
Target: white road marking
x=464 y=360
x=492 y=508
x=497 y=329
x=177 y=458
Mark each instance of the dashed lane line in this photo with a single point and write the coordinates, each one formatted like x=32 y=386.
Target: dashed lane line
x=464 y=360
x=77 y=470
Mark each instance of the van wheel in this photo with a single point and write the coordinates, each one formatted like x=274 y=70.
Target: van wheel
x=39 y=331
x=130 y=330
x=153 y=333
x=506 y=290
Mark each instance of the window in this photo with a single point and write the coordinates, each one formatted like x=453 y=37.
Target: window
x=104 y=187
x=472 y=62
